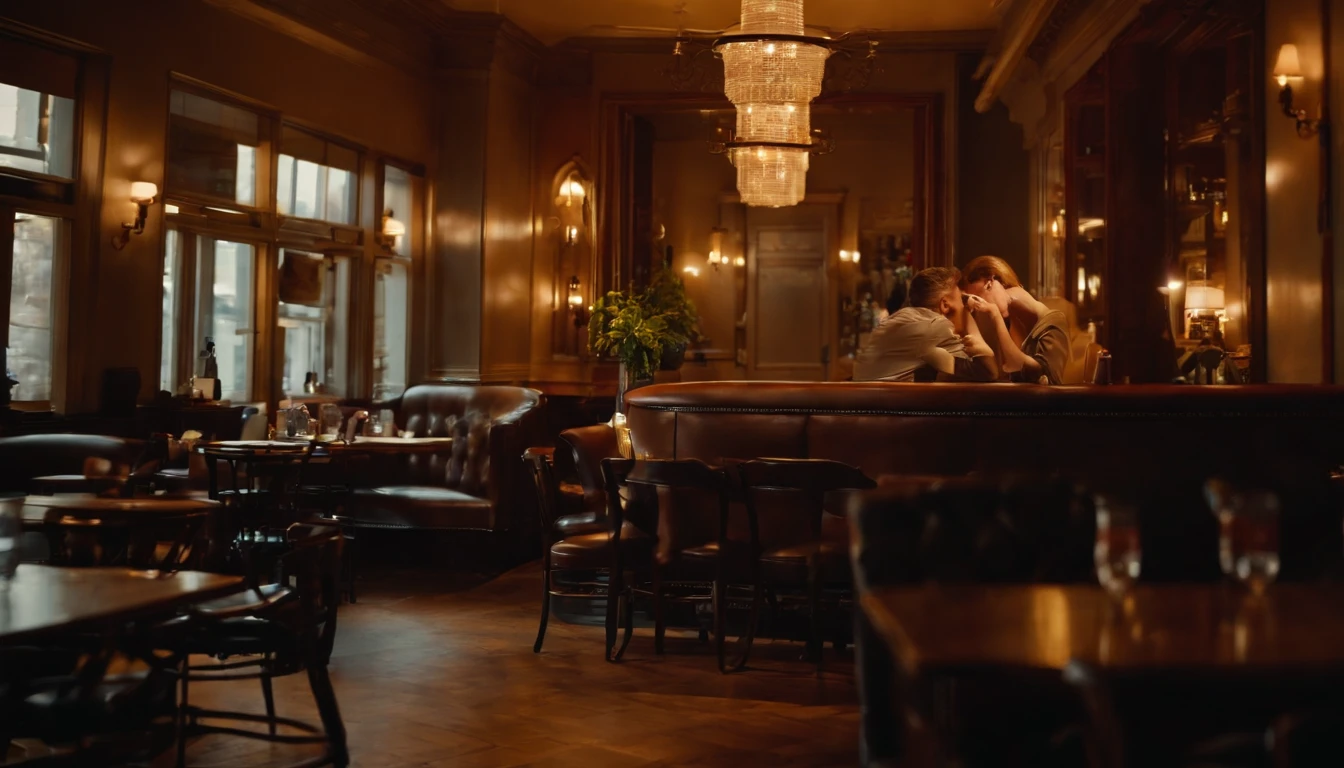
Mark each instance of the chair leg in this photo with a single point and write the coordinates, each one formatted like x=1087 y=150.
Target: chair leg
x=325 y=698
x=182 y=714
x=815 y=644
x=268 y=694
x=659 y=615
x=545 y=602
x=615 y=589
x=350 y=561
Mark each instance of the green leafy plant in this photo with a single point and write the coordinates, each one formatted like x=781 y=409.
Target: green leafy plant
x=666 y=297
x=635 y=328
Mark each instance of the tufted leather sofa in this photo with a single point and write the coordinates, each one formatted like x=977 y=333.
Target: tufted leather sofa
x=476 y=484
x=26 y=457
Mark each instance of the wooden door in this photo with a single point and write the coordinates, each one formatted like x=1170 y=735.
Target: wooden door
x=787 y=324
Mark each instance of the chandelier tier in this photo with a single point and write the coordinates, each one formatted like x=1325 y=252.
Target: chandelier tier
x=772 y=72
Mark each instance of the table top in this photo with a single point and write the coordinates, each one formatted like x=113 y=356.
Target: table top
x=47 y=509
x=362 y=444
x=44 y=599
x=1042 y=626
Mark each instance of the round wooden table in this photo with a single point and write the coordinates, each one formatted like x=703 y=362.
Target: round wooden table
x=83 y=529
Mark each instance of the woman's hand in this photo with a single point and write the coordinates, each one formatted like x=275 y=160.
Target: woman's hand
x=979 y=306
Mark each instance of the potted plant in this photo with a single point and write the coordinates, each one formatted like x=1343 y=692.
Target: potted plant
x=666 y=297
x=623 y=328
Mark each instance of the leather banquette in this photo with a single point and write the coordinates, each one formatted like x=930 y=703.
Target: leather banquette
x=1153 y=445
x=477 y=484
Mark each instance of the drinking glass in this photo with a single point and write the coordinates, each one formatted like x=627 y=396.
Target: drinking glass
x=373 y=427
x=1118 y=555
x=331 y=421
x=10 y=530
x=388 y=418
x=1248 y=538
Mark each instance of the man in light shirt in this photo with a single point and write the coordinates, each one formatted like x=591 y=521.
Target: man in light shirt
x=929 y=339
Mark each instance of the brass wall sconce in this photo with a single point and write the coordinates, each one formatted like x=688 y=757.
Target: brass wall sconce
x=575 y=303
x=143 y=194
x=1288 y=70
x=715 y=257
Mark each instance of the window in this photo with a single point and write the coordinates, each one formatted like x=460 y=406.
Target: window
x=212 y=148
x=314 y=316
x=39 y=246
x=221 y=275
x=316 y=178
x=392 y=287
x=37 y=109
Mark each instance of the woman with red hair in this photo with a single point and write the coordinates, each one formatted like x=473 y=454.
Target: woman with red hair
x=1029 y=338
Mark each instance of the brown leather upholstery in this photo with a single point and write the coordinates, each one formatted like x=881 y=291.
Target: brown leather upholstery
x=26 y=457
x=1122 y=432
x=478 y=484
x=588 y=446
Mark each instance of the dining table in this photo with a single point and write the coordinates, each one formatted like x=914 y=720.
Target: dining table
x=42 y=601
x=1147 y=669
x=87 y=529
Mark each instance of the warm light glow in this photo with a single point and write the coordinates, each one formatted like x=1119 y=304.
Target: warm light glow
x=572 y=192
x=740 y=261
x=1203 y=298
x=1288 y=66
x=170 y=208
x=144 y=192
x=1224 y=218
x=1054 y=228
x=692 y=271
x=393 y=227
x=571 y=235
x=1082 y=283
x=715 y=257
x=1174 y=285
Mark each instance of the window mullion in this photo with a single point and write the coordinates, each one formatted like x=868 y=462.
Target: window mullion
x=6 y=268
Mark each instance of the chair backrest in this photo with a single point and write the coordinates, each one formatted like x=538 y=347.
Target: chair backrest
x=682 y=502
x=538 y=461
x=588 y=446
x=312 y=565
x=976 y=530
x=786 y=498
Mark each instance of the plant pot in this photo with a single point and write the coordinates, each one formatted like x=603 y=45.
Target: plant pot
x=673 y=357
x=625 y=382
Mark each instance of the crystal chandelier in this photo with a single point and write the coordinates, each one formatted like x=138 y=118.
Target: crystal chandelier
x=772 y=72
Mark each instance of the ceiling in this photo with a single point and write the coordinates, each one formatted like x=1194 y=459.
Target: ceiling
x=551 y=21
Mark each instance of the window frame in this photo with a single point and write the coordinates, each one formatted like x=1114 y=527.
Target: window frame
x=414 y=262
x=77 y=202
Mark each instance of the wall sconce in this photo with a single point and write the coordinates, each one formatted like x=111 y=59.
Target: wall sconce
x=571 y=235
x=1288 y=70
x=142 y=194
x=739 y=261
x=392 y=229
x=572 y=191
x=575 y=302
x=716 y=257
x=850 y=257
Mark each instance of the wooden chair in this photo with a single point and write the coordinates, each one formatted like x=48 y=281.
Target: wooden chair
x=570 y=544
x=787 y=499
x=272 y=629
x=692 y=547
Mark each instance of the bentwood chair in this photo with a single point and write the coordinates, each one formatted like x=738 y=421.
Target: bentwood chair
x=273 y=629
x=683 y=506
x=575 y=549
x=786 y=503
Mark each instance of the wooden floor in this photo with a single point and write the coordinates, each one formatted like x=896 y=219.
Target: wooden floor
x=429 y=673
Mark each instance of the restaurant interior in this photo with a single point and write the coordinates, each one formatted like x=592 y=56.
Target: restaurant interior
x=534 y=340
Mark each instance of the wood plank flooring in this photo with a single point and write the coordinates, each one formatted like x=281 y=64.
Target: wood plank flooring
x=432 y=675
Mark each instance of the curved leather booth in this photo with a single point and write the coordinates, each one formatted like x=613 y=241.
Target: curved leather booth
x=954 y=429
x=476 y=484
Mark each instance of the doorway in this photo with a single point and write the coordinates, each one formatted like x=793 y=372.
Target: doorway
x=788 y=291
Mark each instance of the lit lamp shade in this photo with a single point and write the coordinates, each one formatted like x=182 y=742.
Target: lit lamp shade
x=1203 y=298
x=393 y=228
x=1288 y=66
x=144 y=192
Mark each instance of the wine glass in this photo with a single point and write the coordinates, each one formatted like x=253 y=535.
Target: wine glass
x=1118 y=555
x=1248 y=539
x=331 y=421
